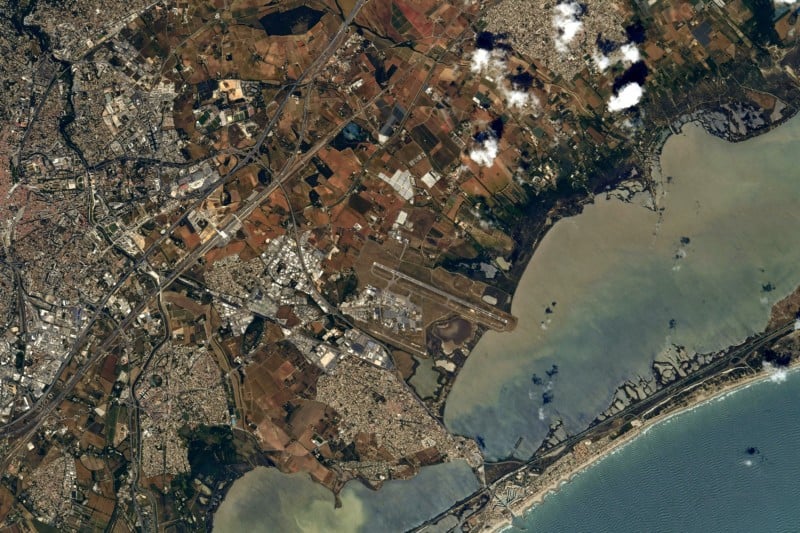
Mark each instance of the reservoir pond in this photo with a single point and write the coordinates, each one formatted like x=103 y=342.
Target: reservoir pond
x=295 y=21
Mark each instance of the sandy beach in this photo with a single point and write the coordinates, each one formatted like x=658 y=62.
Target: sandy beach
x=589 y=453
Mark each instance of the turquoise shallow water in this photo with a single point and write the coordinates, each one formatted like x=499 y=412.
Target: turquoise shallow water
x=693 y=473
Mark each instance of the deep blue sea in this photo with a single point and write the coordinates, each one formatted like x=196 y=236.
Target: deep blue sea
x=694 y=473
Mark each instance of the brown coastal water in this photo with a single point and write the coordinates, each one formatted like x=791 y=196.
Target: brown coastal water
x=628 y=284
x=265 y=500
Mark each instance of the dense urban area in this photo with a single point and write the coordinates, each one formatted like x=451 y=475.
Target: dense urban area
x=270 y=233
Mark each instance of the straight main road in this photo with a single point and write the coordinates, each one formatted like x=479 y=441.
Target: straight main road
x=646 y=408
x=26 y=424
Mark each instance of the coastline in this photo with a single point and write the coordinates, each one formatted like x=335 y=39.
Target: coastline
x=569 y=467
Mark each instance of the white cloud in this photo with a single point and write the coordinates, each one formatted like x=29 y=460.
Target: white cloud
x=480 y=60
x=485 y=61
x=628 y=96
x=485 y=153
x=785 y=2
x=601 y=61
x=567 y=22
x=627 y=55
x=630 y=54
x=493 y=64
x=516 y=98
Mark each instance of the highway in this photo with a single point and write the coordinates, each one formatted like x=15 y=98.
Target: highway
x=641 y=410
x=27 y=423
x=134 y=433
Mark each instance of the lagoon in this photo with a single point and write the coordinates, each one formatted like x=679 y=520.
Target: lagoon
x=265 y=500
x=699 y=266
x=624 y=281
x=728 y=465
